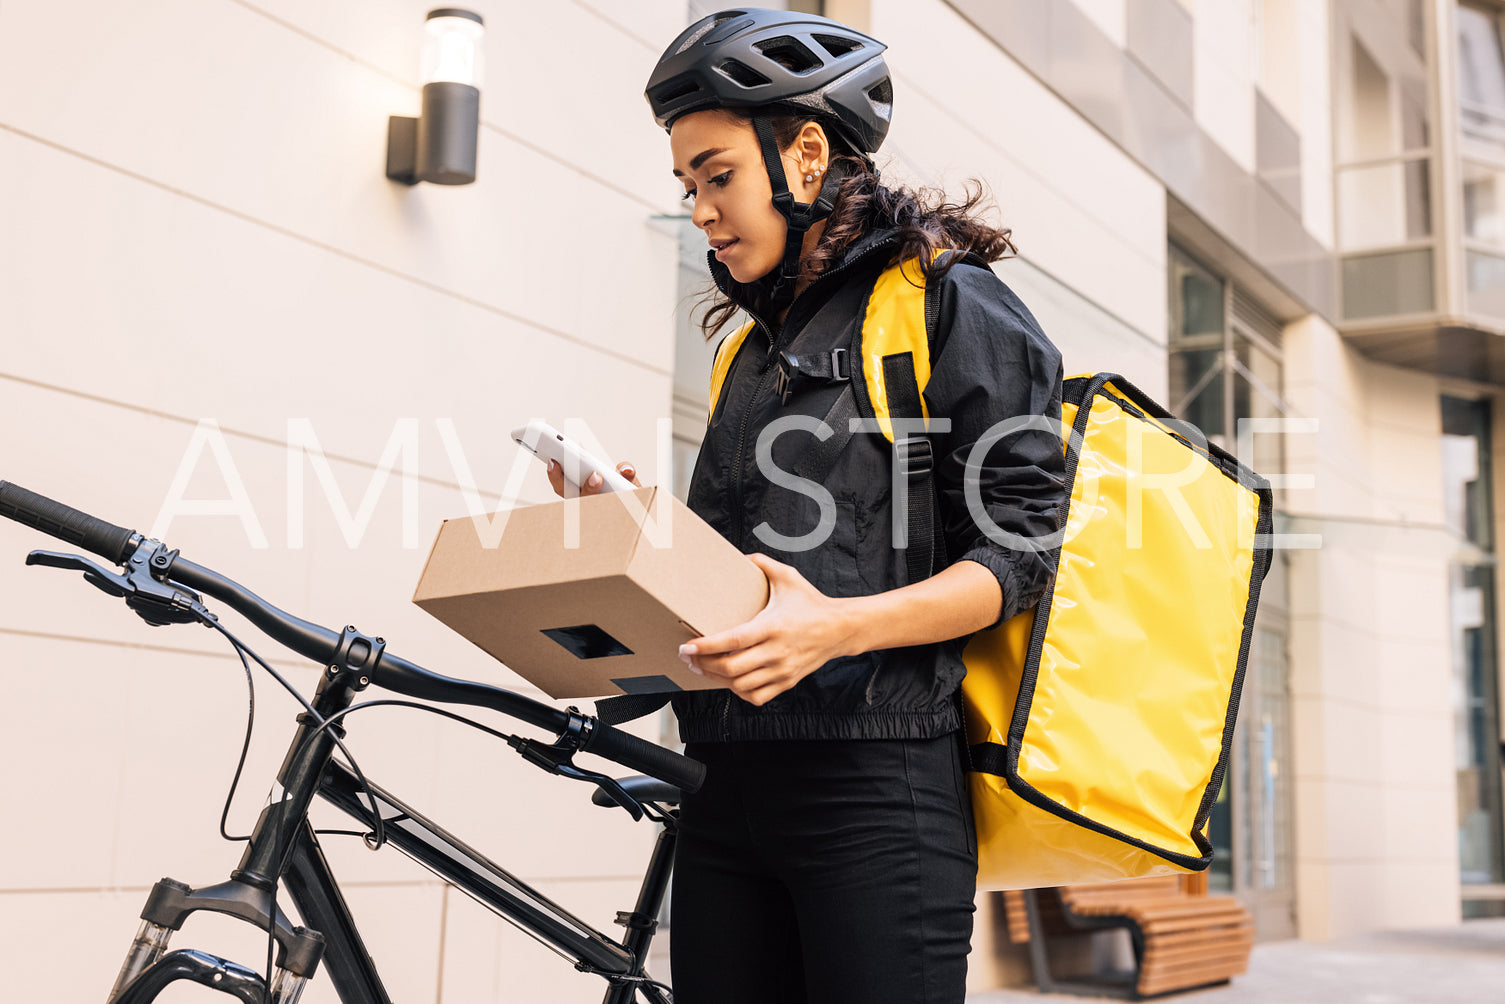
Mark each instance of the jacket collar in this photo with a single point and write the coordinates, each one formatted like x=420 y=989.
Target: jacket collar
x=863 y=247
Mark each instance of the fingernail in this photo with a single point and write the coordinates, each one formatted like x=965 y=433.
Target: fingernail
x=627 y=470
x=696 y=669
x=593 y=480
x=686 y=652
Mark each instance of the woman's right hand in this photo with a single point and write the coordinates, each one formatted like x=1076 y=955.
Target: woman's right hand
x=592 y=485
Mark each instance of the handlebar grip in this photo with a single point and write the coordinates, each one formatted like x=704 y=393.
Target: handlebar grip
x=649 y=758
x=65 y=523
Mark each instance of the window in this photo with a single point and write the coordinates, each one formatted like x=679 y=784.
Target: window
x=1476 y=722
x=1481 y=112
x=1384 y=171
x=1225 y=365
x=1224 y=358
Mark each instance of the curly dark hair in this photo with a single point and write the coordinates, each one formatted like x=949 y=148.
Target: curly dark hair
x=925 y=222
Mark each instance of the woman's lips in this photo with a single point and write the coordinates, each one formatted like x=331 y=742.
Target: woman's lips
x=723 y=249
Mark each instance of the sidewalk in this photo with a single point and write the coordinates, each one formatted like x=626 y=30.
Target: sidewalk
x=1454 y=965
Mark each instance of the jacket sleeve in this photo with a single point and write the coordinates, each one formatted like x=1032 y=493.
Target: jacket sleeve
x=990 y=363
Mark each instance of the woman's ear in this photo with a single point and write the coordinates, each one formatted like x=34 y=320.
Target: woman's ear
x=811 y=150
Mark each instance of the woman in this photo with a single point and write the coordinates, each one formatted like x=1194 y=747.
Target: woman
x=830 y=855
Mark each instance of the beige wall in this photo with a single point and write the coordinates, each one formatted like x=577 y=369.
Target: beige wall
x=1223 y=68
x=1081 y=210
x=1376 y=831
x=195 y=225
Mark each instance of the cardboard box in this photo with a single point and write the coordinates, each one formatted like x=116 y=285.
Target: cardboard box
x=600 y=618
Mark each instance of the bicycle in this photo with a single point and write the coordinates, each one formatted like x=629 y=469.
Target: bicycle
x=283 y=850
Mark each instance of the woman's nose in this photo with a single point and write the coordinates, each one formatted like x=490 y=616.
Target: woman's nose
x=704 y=214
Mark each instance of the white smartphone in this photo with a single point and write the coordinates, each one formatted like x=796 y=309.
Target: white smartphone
x=547 y=443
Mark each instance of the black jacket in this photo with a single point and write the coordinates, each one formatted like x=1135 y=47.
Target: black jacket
x=989 y=362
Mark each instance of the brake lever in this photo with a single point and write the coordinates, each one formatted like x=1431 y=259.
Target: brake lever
x=558 y=760
x=105 y=581
x=158 y=602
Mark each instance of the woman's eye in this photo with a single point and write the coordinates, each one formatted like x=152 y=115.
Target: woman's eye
x=719 y=181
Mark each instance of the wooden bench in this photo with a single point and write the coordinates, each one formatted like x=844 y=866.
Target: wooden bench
x=1182 y=937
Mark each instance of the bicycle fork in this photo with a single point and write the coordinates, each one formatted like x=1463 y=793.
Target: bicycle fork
x=248 y=895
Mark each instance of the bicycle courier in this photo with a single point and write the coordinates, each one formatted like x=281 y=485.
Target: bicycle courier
x=1100 y=721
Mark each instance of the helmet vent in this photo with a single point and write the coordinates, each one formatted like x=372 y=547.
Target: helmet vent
x=741 y=73
x=790 y=53
x=674 y=90
x=882 y=92
x=836 y=45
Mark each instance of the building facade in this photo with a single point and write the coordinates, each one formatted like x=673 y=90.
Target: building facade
x=223 y=323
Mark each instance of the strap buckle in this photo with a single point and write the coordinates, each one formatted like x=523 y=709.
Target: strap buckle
x=916 y=458
x=783 y=378
x=840 y=370
x=830 y=367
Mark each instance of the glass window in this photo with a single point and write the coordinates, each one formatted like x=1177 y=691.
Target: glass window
x=1380 y=285
x=1481 y=74
x=1383 y=133
x=1484 y=203
x=1225 y=364
x=1197 y=339
x=1256 y=394
x=1262 y=724
x=1369 y=131
x=1476 y=734
x=1486 y=283
x=1384 y=204
x=1196 y=380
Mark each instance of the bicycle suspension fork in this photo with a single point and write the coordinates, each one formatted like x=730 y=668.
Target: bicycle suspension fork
x=149 y=967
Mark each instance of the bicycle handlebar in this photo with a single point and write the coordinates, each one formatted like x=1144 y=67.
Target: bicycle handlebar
x=65 y=523
x=318 y=643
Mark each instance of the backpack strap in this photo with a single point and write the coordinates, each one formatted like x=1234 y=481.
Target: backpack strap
x=915 y=460
x=725 y=353
x=893 y=345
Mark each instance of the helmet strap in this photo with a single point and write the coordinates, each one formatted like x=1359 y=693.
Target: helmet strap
x=800 y=216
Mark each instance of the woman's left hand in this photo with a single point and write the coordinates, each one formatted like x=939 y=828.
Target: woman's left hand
x=800 y=630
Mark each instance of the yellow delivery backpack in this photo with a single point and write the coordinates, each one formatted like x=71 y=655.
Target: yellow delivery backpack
x=1099 y=723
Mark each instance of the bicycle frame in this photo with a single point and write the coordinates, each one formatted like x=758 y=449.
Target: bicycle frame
x=163 y=588
x=284 y=844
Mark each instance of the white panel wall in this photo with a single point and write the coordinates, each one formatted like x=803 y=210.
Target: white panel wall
x=1223 y=76
x=1112 y=16
x=1376 y=828
x=195 y=226
x=1313 y=51
x=1080 y=209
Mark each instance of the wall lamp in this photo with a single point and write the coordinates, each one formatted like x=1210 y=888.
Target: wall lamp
x=440 y=145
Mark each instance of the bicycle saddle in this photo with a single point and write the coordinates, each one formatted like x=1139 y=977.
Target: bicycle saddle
x=644 y=789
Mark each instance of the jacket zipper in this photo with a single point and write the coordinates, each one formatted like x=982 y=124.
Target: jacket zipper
x=773 y=347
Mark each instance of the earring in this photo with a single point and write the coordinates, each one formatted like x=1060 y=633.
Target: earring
x=809 y=177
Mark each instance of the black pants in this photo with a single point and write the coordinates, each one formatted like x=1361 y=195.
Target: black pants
x=824 y=872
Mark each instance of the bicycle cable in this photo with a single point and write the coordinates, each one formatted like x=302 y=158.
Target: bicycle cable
x=245 y=748
x=376 y=837
x=374 y=841
x=386 y=702
x=278 y=853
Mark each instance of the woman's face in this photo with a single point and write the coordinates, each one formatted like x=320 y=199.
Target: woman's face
x=717 y=157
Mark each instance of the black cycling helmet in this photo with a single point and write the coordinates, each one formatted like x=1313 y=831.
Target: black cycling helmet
x=761 y=59
x=754 y=57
